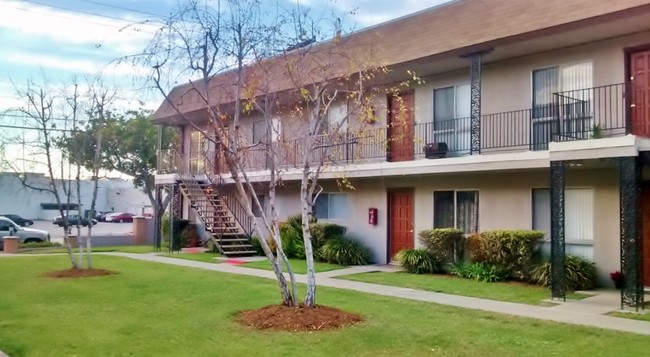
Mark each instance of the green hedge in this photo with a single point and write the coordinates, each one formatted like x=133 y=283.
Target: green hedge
x=445 y=244
x=511 y=250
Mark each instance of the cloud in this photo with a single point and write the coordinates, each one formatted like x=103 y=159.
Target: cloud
x=371 y=12
x=26 y=21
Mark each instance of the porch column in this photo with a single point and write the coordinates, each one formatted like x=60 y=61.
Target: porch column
x=631 y=239
x=558 y=283
x=476 y=59
x=172 y=213
x=159 y=210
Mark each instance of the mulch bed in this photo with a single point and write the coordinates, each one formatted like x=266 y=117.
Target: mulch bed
x=280 y=317
x=79 y=273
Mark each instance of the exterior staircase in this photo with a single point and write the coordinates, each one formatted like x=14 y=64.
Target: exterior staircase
x=224 y=217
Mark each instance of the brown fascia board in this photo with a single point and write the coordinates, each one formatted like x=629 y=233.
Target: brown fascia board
x=459 y=27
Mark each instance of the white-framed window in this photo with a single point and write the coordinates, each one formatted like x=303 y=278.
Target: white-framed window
x=331 y=206
x=451 y=103
x=456 y=209
x=563 y=78
x=337 y=117
x=578 y=218
x=259 y=131
x=451 y=112
x=257 y=212
x=276 y=129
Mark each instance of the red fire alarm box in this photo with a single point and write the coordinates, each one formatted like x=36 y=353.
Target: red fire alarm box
x=372 y=216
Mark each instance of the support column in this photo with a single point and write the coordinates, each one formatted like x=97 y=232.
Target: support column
x=159 y=210
x=476 y=69
x=558 y=278
x=631 y=241
x=172 y=214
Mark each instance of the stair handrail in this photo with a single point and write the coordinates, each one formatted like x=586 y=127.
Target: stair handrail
x=232 y=201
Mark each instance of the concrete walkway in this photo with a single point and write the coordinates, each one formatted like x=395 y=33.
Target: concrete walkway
x=564 y=313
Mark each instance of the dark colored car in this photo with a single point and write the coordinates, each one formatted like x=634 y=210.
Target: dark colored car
x=23 y=222
x=73 y=220
x=101 y=216
x=120 y=217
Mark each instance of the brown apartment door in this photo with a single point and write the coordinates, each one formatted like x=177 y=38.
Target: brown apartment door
x=640 y=92
x=401 y=125
x=645 y=216
x=400 y=235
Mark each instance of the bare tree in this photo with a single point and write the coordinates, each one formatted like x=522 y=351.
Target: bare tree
x=52 y=116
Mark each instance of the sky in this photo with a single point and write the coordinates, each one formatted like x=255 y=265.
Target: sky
x=52 y=41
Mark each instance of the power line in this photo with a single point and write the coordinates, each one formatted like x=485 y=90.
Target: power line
x=122 y=8
x=74 y=10
x=31 y=128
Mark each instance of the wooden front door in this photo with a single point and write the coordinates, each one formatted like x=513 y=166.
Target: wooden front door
x=400 y=235
x=401 y=126
x=640 y=92
x=645 y=218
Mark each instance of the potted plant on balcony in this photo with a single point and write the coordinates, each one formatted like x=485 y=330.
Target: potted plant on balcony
x=617 y=278
x=435 y=150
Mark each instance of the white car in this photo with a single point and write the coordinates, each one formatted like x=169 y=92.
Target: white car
x=26 y=235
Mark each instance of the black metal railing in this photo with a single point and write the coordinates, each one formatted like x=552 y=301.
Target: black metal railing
x=590 y=113
x=582 y=114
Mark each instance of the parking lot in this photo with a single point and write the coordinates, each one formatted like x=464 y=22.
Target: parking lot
x=104 y=233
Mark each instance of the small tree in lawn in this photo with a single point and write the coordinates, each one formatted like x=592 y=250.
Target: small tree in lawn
x=49 y=115
x=333 y=78
x=200 y=42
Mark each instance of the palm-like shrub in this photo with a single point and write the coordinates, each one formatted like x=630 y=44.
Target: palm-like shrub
x=580 y=273
x=418 y=261
x=345 y=251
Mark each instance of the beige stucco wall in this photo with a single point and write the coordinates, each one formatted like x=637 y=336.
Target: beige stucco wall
x=505 y=202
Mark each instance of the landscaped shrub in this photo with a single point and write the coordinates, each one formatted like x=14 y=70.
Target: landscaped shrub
x=179 y=236
x=483 y=272
x=345 y=251
x=446 y=244
x=39 y=245
x=511 y=250
x=418 y=261
x=291 y=237
x=580 y=273
x=257 y=245
x=322 y=232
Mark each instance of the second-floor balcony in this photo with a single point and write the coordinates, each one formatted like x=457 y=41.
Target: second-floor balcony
x=574 y=115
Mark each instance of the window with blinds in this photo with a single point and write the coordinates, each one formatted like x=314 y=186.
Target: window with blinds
x=547 y=81
x=578 y=218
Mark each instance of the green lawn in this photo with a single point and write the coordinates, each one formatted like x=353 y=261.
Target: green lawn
x=152 y=309
x=299 y=266
x=123 y=249
x=207 y=257
x=513 y=292
x=643 y=316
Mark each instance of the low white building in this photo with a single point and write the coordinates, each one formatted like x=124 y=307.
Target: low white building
x=112 y=195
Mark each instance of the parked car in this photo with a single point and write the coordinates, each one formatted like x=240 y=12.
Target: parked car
x=25 y=235
x=120 y=217
x=73 y=220
x=23 y=222
x=101 y=216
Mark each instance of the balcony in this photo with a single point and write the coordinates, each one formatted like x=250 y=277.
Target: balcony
x=585 y=114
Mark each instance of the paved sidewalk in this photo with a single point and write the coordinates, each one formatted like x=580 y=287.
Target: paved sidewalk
x=563 y=313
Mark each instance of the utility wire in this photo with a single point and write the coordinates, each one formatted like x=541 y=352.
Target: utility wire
x=122 y=8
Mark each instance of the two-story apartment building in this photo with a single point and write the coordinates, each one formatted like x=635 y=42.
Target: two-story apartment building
x=539 y=115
